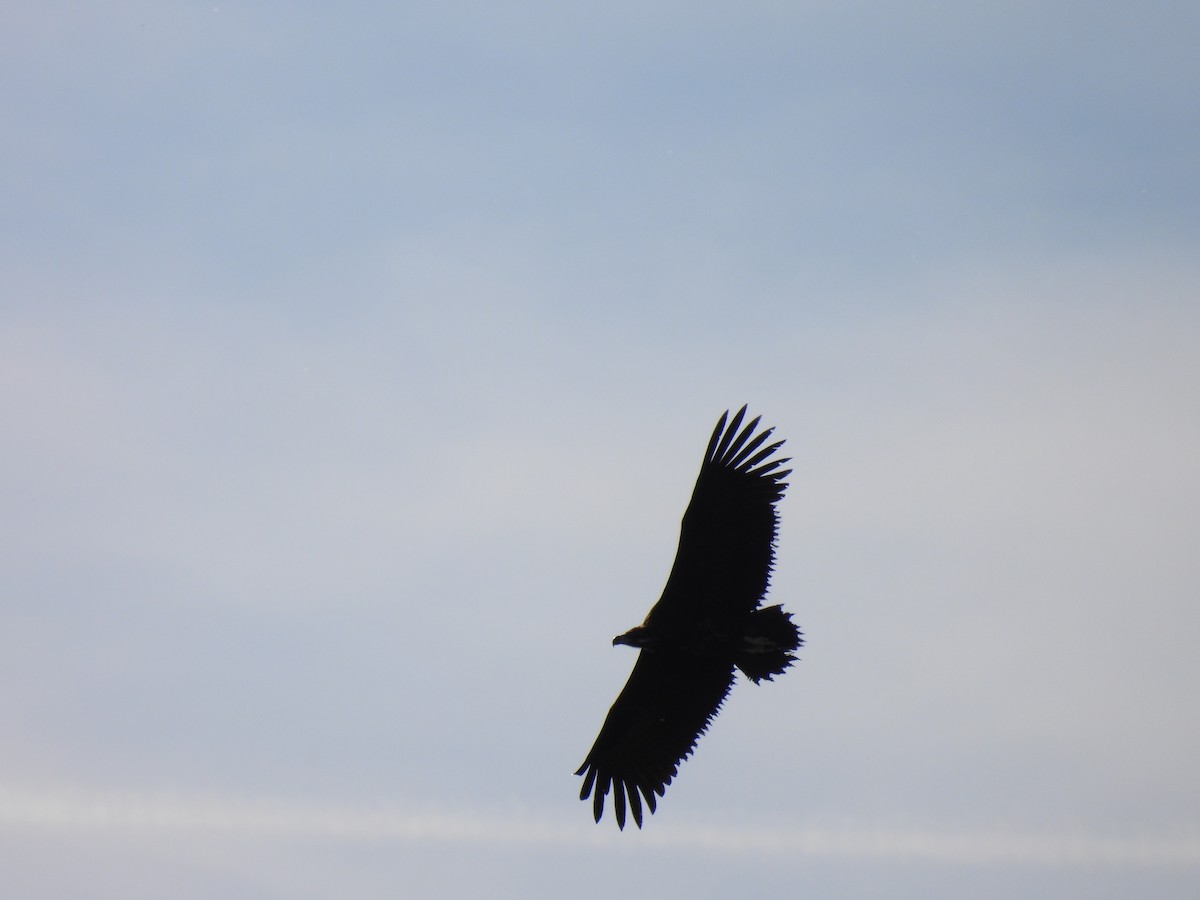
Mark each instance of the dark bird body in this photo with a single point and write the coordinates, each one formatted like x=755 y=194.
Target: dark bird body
x=707 y=623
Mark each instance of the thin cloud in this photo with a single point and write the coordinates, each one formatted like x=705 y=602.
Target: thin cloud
x=30 y=809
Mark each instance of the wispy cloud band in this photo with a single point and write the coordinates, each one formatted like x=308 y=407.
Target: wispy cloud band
x=59 y=809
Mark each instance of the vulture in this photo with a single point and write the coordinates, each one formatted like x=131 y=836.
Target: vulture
x=707 y=623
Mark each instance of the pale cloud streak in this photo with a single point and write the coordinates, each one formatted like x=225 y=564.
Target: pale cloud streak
x=28 y=810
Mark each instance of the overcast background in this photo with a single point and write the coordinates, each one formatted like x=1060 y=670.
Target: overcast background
x=356 y=362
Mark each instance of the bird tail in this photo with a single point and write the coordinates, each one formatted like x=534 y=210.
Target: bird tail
x=769 y=644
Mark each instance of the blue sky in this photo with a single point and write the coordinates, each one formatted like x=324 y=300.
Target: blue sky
x=356 y=365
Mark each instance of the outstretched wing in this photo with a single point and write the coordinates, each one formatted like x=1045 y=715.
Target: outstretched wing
x=727 y=539
x=666 y=705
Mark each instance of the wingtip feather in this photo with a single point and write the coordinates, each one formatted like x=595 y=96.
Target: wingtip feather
x=727 y=437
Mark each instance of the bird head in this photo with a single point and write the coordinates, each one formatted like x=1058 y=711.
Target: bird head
x=638 y=636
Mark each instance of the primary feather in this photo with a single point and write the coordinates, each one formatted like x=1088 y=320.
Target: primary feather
x=706 y=623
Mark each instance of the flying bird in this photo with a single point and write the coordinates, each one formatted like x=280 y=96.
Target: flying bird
x=707 y=623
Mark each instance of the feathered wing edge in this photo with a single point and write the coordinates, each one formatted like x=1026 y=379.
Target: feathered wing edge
x=726 y=450
x=664 y=706
x=772 y=637
x=620 y=788
x=738 y=478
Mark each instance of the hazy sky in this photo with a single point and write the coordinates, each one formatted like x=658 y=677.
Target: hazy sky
x=356 y=363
